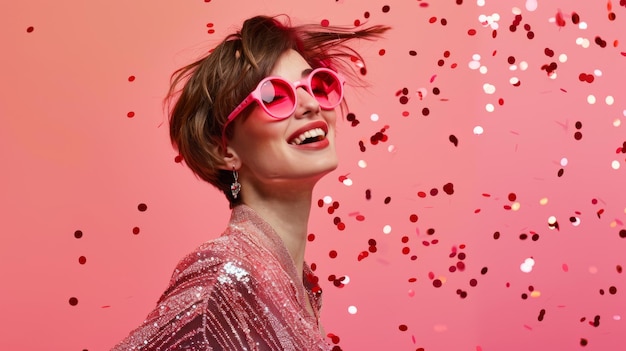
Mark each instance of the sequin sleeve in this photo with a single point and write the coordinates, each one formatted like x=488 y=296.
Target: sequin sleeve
x=214 y=307
x=218 y=307
x=237 y=292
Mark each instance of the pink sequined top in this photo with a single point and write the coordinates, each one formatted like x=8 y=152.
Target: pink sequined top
x=237 y=292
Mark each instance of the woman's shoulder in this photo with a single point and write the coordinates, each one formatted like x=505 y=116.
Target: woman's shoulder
x=206 y=258
x=212 y=263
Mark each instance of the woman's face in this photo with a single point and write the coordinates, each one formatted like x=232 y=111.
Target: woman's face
x=270 y=149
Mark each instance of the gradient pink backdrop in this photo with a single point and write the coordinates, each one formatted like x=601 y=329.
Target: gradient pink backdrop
x=73 y=160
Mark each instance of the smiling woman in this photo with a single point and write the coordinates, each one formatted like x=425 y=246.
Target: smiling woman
x=255 y=118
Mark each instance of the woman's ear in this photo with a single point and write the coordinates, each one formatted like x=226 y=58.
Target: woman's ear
x=230 y=159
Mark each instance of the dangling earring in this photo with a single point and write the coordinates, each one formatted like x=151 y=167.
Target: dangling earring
x=235 y=187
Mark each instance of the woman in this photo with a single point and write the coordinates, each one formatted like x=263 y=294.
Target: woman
x=242 y=124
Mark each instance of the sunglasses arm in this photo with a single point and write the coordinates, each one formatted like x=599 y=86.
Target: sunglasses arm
x=245 y=103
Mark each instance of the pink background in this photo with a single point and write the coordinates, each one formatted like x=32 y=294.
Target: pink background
x=73 y=160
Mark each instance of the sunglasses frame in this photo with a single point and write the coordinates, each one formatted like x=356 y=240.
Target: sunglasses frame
x=255 y=96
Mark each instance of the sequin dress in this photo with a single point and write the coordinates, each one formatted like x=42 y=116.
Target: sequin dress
x=237 y=292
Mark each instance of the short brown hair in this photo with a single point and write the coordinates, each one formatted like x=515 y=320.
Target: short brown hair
x=216 y=83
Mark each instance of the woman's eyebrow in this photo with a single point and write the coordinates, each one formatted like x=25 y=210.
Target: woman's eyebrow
x=306 y=72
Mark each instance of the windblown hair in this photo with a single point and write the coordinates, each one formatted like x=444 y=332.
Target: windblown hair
x=216 y=83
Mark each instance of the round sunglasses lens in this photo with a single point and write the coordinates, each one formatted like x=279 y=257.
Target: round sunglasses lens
x=278 y=98
x=327 y=89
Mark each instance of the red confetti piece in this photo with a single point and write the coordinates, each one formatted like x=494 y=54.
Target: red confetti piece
x=584 y=77
x=325 y=23
x=454 y=140
x=136 y=230
x=334 y=338
x=362 y=255
x=130 y=114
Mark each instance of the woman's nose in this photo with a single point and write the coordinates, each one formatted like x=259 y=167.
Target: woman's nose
x=307 y=103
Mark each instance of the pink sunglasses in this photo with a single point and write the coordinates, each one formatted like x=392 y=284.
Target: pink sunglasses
x=278 y=97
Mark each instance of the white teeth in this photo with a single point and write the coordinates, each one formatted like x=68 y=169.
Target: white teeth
x=313 y=133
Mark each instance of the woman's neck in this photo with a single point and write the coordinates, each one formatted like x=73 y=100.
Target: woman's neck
x=289 y=217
